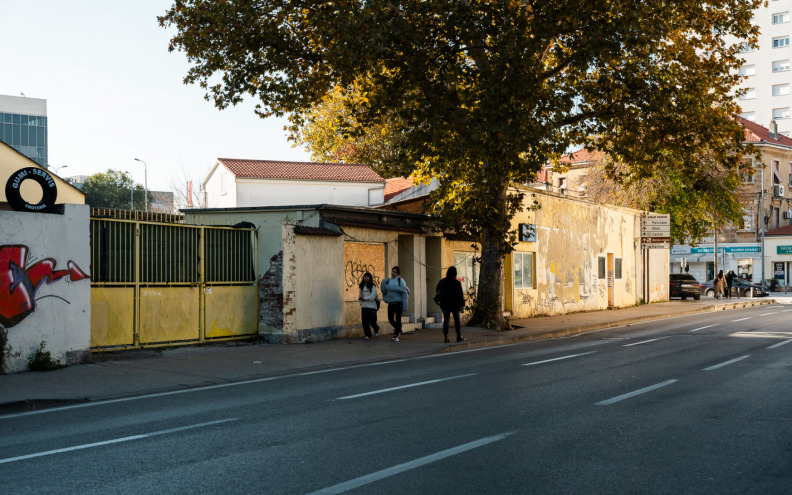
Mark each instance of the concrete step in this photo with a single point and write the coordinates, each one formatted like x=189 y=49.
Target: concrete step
x=437 y=316
x=430 y=319
x=410 y=327
x=433 y=325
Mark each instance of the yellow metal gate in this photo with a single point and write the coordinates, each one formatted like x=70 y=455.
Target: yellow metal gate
x=159 y=284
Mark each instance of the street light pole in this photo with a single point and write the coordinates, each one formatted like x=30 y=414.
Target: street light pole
x=145 y=182
x=56 y=169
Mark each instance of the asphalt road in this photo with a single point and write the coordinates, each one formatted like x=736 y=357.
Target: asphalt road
x=695 y=404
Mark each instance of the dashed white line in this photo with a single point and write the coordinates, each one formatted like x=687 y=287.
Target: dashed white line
x=721 y=365
x=742 y=319
x=644 y=342
x=636 y=392
x=115 y=440
x=768 y=314
x=559 y=358
x=780 y=344
x=391 y=389
x=702 y=328
x=400 y=468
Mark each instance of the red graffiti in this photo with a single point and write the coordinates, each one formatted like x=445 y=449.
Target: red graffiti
x=18 y=285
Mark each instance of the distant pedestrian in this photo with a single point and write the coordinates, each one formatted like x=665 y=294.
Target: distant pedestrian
x=730 y=276
x=451 y=299
x=720 y=285
x=395 y=293
x=368 y=305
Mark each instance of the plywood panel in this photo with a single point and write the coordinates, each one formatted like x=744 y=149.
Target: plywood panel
x=360 y=258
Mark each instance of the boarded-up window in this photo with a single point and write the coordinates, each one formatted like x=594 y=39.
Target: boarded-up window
x=360 y=258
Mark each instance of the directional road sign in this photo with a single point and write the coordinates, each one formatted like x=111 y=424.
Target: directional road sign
x=656 y=245
x=655 y=225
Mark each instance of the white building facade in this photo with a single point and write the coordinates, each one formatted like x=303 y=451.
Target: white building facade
x=768 y=82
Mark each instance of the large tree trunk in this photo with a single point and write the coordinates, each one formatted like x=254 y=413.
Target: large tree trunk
x=488 y=309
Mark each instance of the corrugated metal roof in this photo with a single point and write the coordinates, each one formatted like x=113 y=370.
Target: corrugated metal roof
x=268 y=169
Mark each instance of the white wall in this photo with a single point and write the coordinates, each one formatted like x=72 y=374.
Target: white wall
x=57 y=312
x=270 y=192
x=221 y=191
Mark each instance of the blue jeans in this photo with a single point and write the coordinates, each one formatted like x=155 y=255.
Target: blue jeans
x=457 y=325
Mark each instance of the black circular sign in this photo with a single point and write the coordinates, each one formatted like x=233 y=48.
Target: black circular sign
x=43 y=178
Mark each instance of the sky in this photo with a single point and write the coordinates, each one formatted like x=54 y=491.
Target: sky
x=114 y=93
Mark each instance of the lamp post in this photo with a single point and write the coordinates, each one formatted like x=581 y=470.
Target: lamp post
x=145 y=182
x=56 y=169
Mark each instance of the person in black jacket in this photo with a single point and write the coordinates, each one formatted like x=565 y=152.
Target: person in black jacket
x=451 y=300
x=729 y=279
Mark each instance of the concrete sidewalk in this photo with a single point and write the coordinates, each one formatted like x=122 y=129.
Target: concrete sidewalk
x=145 y=371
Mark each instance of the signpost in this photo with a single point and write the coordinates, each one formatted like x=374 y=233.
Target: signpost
x=655 y=234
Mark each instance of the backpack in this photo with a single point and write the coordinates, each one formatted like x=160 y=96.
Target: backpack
x=438 y=298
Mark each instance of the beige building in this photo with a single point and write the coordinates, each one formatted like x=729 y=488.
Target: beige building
x=12 y=161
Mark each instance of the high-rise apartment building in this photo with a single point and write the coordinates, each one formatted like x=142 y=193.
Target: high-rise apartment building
x=23 y=126
x=767 y=69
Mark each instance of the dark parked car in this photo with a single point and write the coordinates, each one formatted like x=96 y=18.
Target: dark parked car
x=740 y=287
x=684 y=285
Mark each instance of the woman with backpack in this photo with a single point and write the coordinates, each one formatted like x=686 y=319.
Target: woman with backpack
x=451 y=299
x=368 y=305
x=395 y=294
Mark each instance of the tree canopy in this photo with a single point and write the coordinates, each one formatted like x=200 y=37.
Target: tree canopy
x=114 y=189
x=485 y=92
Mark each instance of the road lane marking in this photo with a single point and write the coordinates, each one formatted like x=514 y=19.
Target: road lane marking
x=634 y=393
x=784 y=311
x=115 y=440
x=768 y=314
x=644 y=342
x=780 y=344
x=558 y=358
x=721 y=365
x=702 y=328
x=391 y=389
x=742 y=319
x=407 y=466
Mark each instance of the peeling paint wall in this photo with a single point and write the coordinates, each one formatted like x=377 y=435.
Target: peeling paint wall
x=574 y=240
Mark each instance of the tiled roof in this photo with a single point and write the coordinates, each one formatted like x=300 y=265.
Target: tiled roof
x=268 y=169
x=754 y=133
x=785 y=230
x=396 y=186
x=582 y=155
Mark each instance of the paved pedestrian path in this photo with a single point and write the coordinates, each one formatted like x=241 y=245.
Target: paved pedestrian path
x=145 y=371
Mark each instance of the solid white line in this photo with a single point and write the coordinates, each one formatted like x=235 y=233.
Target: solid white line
x=400 y=468
x=721 y=365
x=636 y=392
x=742 y=319
x=644 y=342
x=382 y=391
x=116 y=440
x=780 y=344
x=768 y=314
x=702 y=328
x=558 y=358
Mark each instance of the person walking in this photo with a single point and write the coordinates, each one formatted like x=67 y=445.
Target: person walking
x=368 y=305
x=395 y=294
x=720 y=285
x=729 y=280
x=451 y=299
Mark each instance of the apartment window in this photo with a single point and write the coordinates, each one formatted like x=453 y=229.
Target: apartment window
x=750 y=94
x=781 y=18
x=562 y=183
x=601 y=267
x=746 y=225
x=780 y=89
x=523 y=270
x=781 y=113
x=746 y=48
x=781 y=42
x=748 y=70
x=749 y=116
x=781 y=66
x=790 y=173
x=617 y=267
x=748 y=172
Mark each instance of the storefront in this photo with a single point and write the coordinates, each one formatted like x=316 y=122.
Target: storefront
x=778 y=261
x=743 y=258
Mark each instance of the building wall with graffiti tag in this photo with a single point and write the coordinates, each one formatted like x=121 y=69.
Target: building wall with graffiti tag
x=45 y=285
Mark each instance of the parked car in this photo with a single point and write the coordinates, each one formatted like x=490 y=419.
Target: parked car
x=684 y=285
x=740 y=287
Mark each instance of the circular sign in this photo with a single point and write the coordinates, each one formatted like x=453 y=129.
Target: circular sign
x=43 y=178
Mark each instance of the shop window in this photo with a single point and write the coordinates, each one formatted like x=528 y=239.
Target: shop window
x=467 y=270
x=523 y=270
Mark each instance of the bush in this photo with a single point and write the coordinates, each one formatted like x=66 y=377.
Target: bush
x=42 y=360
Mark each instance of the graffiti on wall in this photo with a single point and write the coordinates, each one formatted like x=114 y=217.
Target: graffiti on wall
x=20 y=281
x=360 y=258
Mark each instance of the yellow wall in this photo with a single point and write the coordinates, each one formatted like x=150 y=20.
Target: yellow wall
x=11 y=161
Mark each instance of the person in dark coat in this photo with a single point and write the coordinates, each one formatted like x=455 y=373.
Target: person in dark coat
x=451 y=300
x=729 y=279
x=720 y=285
